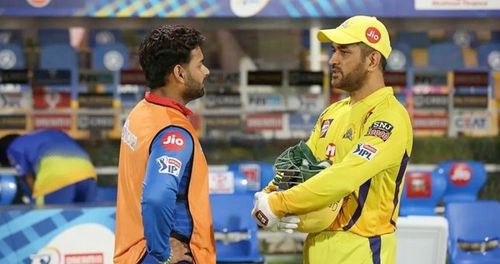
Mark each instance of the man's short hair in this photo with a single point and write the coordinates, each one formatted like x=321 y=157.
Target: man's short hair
x=366 y=50
x=163 y=48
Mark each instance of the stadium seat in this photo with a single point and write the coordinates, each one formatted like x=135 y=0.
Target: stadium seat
x=58 y=56
x=474 y=232
x=258 y=174
x=413 y=39
x=446 y=56
x=422 y=192
x=11 y=57
x=235 y=230
x=8 y=189
x=489 y=56
x=111 y=57
x=400 y=58
x=464 y=179
x=61 y=56
x=11 y=36
x=53 y=36
x=104 y=37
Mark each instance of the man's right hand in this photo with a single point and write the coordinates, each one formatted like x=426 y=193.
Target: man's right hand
x=180 y=251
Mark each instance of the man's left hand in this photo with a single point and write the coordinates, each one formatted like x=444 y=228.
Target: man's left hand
x=262 y=211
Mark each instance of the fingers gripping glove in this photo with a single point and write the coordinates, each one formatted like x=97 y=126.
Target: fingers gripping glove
x=287 y=224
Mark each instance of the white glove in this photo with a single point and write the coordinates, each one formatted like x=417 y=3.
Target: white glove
x=287 y=224
x=262 y=211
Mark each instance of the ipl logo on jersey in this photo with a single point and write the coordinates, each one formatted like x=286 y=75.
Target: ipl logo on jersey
x=366 y=151
x=169 y=165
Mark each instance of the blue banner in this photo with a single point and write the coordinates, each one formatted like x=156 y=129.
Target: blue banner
x=251 y=8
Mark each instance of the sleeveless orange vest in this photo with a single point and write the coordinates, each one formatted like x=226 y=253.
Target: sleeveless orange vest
x=143 y=124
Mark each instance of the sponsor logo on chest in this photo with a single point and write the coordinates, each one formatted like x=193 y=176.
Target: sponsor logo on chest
x=380 y=129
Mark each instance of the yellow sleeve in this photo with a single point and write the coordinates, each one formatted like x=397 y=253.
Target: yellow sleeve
x=369 y=156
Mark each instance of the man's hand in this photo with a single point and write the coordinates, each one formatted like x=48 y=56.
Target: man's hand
x=262 y=211
x=180 y=251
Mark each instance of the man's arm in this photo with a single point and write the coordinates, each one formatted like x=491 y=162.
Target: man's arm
x=370 y=155
x=170 y=156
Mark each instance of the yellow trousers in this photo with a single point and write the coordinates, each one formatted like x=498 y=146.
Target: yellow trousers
x=343 y=247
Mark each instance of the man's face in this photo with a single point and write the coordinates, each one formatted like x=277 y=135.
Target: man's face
x=348 y=67
x=196 y=73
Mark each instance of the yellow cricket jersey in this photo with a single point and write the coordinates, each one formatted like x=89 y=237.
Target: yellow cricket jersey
x=369 y=144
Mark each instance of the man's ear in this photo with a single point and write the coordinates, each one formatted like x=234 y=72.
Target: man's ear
x=178 y=73
x=374 y=61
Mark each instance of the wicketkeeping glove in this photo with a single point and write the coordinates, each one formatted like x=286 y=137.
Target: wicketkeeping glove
x=296 y=165
x=262 y=211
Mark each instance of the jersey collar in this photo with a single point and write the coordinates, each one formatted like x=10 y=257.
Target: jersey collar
x=378 y=95
x=165 y=101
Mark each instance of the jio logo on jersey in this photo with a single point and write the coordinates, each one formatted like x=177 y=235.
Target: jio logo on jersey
x=173 y=141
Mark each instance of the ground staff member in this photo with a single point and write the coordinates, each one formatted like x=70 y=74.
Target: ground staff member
x=163 y=212
x=54 y=168
x=368 y=136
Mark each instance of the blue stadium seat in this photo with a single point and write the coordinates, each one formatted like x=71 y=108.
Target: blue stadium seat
x=53 y=36
x=474 y=232
x=104 y=37
x=400 y=58
x=8 y=189
x=464 y=180
x=58 y=56
x=11 y=36
x=257 y=173
x=488 y=56
x=235 y=230
x=446 y=56
x=422 y=192
x=61 y=56
x=413 y=39
x=11 y=57
x=111 y=57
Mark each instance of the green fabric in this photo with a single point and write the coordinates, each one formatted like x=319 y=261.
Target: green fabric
x=295 y=165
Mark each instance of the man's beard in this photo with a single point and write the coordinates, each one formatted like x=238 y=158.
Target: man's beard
x=194 y=90
x=353 y=81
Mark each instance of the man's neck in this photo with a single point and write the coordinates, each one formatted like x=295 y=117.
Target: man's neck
x=169 y=92
x=370 y=86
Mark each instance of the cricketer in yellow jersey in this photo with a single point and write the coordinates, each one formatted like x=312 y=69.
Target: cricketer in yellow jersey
x=368 y=137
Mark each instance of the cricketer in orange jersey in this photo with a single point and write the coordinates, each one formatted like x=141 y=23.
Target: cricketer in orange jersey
x=163 y=213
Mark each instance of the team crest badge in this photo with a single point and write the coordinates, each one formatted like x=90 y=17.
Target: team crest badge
x=348 y=134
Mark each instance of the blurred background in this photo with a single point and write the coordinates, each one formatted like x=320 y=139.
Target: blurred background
x=73 y=66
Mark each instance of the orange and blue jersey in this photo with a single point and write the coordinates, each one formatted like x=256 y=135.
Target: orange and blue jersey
x=162 y=185
x=54 y=158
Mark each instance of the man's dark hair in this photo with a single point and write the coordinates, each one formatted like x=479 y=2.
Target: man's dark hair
x=165 y=47
x=366 y=50
x=4 y=144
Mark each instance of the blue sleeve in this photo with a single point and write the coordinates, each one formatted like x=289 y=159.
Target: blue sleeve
x=18 y=157
x=170 y=153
